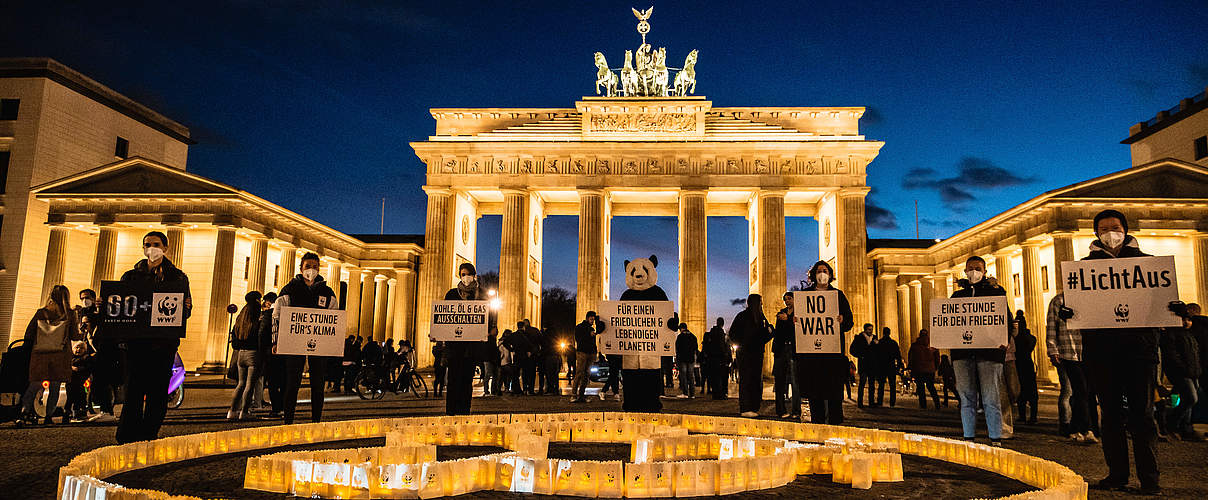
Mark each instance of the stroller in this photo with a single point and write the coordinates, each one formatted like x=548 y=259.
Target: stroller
x=14 y=379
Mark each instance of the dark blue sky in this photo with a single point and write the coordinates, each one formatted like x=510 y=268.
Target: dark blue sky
x=981 y=105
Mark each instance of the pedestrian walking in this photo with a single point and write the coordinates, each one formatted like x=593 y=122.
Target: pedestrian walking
x=151 y=357
x=685 y=357
x=245 y=342
x=49 y=334
x=821 y=377
x=751 y=331
x=307 y=289
x=923 y=361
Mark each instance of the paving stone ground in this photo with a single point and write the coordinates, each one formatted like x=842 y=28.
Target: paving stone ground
x=30 y=457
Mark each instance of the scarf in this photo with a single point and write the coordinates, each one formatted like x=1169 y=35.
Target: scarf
x=467 y=292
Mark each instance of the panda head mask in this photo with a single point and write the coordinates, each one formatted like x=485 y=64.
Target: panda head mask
x=640 y=274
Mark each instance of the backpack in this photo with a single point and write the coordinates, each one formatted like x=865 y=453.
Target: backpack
x=51 y=336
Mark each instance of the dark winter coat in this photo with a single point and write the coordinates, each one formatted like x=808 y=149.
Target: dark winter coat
x=864 y=349
x=163 y=274
x=923 y=359
x=982 y=288
x=715 y=349
x=1180 y=354
x=585 y=336
x=685 y=347
x=825 y=374
x=889 y=356
x=751 y=331
x=1133 y=343
x=784 y=335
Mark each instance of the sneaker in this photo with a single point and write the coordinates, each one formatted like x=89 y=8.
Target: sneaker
x=749 y=414
x=682 y=396
x=1090 y=438
x=1108 y=484
x=997 y=443
x=1077 y=438
x=102 y=418
x=784 y=415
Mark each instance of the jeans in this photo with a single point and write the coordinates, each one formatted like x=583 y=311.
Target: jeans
x=686 y=382
x=35 y=390
x=490 y=377
x=785 y=380
x=871 y=380
x=890 y=382
x=578 y=385
x=1083 y=416
x=248 y=363
x=1180 y=416
x=614 y=374
x=1063 y=398
x=979 y=377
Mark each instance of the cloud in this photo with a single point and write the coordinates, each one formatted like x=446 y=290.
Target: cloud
x=739 y=301
x=972 y=174
x=943 y=223
x=876 y=216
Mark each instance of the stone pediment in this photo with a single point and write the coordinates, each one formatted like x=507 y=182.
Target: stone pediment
x=135 y=176
x=1162 y=179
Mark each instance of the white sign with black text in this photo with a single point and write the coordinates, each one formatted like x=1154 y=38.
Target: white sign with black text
x=1132 y=292
x=816 y=322
x=460 y=320
x=310 y=331
x=637 y=327
x=969 y=322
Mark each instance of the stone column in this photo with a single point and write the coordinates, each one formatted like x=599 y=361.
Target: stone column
x=259 y=260
x=852 y=253
x=388 y=311
x=367 y=303
x=590 y=286
x=903 y=292
x=352 y=302
x=941 y=285
x=772 y=266
x=217 y=329
x=436 y=271
x=926 y=293
x=176 y=245
x=404 y=297
x=1063 y=251
x=693 y=252
x=1199 y=243
x=1002 y=268
x=106 y=257
x=333 y=276
x=916 y=310
x=887 y=307
x=286 y=266
x=1034 y=308
x=56 y=260
x=513 y=255
x=379 y=309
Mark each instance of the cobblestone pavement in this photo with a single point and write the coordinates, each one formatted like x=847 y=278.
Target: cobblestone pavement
x=30 y=457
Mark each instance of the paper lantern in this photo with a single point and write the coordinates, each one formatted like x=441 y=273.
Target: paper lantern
x=303 y=474
x=432 y=480
x=543 y=482
x=684 y=481
x=763 y=473
x=727 y=477
x=841 y=468
x=612 y=477
x=637 y=479
x=564 y=480
x=662 y=478
x=586 y=482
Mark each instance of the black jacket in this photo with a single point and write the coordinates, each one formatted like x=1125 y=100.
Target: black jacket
x=1180 y=354
x=714 y=347
x=1133 y=343
x=166 y=272
x=784 y=336
x=982 y=288
x=685 y=348
x=889 y=356
x=1199 y=330
x=750 y=330
x=864 y=349
x=585 y=338
x=297 y=293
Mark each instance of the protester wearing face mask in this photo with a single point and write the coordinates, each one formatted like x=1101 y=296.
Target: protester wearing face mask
x=461 y=358
x=1121 y=363
x=978 y=371
x=106 y=360
x=150 y=359
x=307 y=289
x=822 y=377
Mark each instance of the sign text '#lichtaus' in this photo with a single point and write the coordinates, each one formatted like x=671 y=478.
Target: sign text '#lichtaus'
x=969 y=314
x=313 y=323
x=1119 y=278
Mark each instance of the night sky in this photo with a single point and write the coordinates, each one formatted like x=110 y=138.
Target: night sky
x=312 y=106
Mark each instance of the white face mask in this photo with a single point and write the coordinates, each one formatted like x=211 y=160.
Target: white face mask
x=310 y=274
x=467 y=280
x=1113 y=239
x=87 y=302
x=974 y=275
x=153 y=254
x=823 y=278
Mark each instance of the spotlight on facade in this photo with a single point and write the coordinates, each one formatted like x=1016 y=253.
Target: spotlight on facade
x=491 y=292
x=496 y=304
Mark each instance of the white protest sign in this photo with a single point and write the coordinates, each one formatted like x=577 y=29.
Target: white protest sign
x=637 y=327
x=460 y=320
x=310 y=331
x=969 y=322
x=1120 y=293
x=816 y=324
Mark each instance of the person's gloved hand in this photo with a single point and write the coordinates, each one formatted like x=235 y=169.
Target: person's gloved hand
x=1065 y=313
x=1178 y=307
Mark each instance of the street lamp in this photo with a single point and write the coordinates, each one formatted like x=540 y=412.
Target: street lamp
x=496 y=304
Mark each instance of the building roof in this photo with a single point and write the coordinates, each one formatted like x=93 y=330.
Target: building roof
x=874 y=243
x=43 y=67
x=1167 y=117
x=417 y=239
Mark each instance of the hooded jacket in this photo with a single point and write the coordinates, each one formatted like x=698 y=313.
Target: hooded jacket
x=166 y=272
x=982 y=288
x=297 y=294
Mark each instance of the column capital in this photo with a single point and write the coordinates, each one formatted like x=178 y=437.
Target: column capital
x=379 y=277
x=771 y=193
x=437 y=190
x=591 y=191
x=404 y=267
x=513 y=192
x=366 y=273
x=392 y=282
x=350 y=267
x=860 y=191
x=693 y=192
x=1031 y=243
x=888 y=276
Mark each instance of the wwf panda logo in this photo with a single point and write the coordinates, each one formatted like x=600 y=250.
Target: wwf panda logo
x=311 y=344
x=1121 y=312
x=457 y=333
x=967 y=337
x=168 y=305
x=817 y=343
x=667 y=346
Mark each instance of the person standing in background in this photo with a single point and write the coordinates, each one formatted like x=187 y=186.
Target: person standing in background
x=585 y=352
x=685 y=357
x=889 y=357
x=49 y=335
x=1025 y=369
x=751 y=331
x=979 y=372
x=863 y=347
x=784 y=349
x=274 y=366
x=717 y=353
x=245 y=341
x=923 y=361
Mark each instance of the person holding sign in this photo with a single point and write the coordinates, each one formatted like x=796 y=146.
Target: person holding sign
x=978 y=370
x=307 y=290
x=822 y=376
x=784 y=348
x=151 y=356
x=751 y=331
x=1120 y=363
x=459 y=381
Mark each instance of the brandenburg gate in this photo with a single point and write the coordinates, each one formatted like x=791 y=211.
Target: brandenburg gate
x=642 y=148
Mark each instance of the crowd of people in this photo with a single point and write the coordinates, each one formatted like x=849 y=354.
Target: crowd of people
x=1115 y=385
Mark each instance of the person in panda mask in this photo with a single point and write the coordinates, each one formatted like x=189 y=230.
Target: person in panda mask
x=643 y=374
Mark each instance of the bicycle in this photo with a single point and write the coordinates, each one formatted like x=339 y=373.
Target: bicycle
x=370 y=384
x=409 y=380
